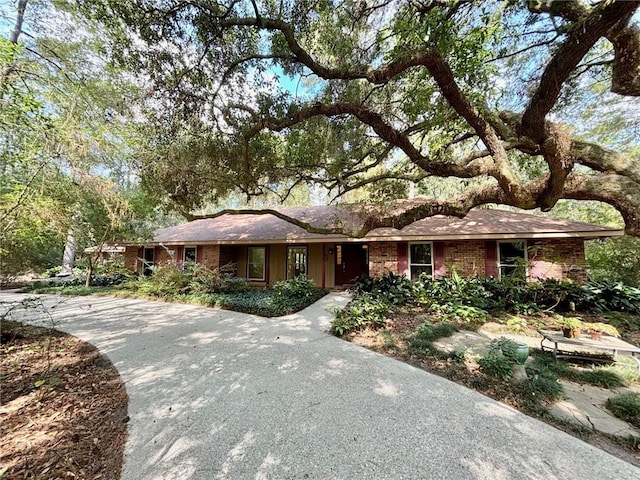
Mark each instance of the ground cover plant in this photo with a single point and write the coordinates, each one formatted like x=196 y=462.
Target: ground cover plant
x=199 y=285
x=626 y=406
x=63 y=409
x=472 y=300
x=413 y=323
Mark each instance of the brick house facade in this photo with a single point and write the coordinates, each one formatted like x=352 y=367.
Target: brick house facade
x=550 y=258
x=266 y=249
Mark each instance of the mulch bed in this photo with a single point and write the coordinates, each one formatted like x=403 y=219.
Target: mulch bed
x=63 y=409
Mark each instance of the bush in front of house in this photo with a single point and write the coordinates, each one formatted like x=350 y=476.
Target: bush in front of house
x=206 y=280
x=470 y=300
x=365 y=310
x=513 y=295
x=392 y=288
x=286 y=297
x=295 y=294
x=76 y=285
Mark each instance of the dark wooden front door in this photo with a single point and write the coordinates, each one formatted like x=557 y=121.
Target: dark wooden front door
x=352 y=261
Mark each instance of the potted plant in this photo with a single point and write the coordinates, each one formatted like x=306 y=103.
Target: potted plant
x=571 y=327
x=596 y=329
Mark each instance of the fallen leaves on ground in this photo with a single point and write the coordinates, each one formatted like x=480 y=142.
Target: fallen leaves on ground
x=63 y=410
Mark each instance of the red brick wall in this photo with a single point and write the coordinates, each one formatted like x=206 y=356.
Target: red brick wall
x=383 y=258
x=210 y=255
x=466 y=256
x=130 y=256
x=560 y=258
x=162 y=256
x=549 y=258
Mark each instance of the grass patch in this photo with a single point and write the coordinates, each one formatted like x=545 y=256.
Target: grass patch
x=424 y=336
x=626 y=406
x=605 y=377
x=388 y=341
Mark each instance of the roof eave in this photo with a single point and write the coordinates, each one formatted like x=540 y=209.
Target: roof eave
x=398 y=238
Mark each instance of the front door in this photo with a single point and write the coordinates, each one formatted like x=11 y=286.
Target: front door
x=352 y=261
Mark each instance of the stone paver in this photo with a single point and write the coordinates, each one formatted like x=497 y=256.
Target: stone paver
x=221 y=395
x=584 y=405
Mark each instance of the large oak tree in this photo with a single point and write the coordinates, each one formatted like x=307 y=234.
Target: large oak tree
x=253 y=95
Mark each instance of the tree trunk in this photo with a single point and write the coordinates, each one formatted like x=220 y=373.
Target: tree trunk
x=87 y=282
x=68 y=257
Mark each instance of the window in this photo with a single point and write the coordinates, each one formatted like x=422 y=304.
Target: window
x=189 y=255
x=420 y=259
x=296 y=261
x=256 y=257
x=512 y=259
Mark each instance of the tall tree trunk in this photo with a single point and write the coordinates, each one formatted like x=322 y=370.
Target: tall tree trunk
x=69 y=254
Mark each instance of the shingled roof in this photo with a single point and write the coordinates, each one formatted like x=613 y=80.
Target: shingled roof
x=266 y=228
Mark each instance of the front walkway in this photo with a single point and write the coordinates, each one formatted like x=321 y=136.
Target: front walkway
x=217 y=394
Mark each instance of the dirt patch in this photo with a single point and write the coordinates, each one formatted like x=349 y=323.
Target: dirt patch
x=63 y=410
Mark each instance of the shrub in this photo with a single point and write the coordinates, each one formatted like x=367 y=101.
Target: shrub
x=299 y=287
x=541 y=387
x=614 y=259
x=217 y=280
x=607 y=296
x=470 y=299
x=506 y=347
x=626 y=406
x=519 y=324
x=496 y=365
x=395 y=289
x=363 y=311
x=466 y=313
x=165 y=282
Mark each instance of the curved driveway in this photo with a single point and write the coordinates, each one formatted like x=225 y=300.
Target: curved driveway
x=215 y=394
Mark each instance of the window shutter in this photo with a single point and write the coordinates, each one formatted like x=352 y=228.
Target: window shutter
x=439 y=268
x=491 y=259
x=139 y=264
x=403 y=261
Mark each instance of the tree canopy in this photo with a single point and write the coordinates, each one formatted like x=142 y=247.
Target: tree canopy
x=66 y=140
x=255 y=96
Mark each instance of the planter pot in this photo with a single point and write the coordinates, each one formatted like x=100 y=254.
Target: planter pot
x=571 y=332
x=522 y=353
x=595 y=335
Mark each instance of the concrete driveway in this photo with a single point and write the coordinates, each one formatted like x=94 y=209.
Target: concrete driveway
x=217 y=394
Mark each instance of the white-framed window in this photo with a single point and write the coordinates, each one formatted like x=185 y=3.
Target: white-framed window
x=420 y=259
x=256 y=263
x=512 y=258
x=297 y=261
x=189 y=255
